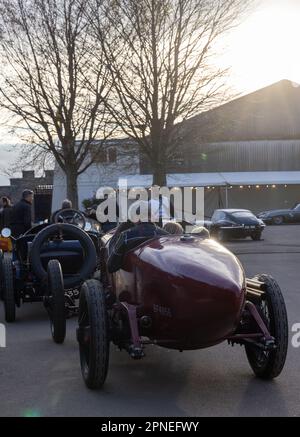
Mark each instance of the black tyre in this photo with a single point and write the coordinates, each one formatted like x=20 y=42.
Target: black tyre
x=93 y=334
x=269 y=364
x=278 y=221
x=56 y=308
x=256 y=236
x=1 y=276
x=8 y=289
x=71 y=232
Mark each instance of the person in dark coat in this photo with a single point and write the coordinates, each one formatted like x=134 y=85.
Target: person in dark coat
x=5 y=214
x=21 y=215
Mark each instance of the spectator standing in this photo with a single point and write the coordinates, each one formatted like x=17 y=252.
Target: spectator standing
x=21 y=214
x=5 y=215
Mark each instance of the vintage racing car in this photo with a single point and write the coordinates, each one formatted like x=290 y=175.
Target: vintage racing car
x=48 y=264
x=179 y=292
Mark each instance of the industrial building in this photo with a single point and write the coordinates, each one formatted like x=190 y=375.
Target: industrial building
x=245 y=153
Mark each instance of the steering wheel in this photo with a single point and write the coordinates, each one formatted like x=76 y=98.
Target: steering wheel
x=70 y=216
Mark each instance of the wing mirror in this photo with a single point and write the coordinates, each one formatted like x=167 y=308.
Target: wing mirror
x=6 y=233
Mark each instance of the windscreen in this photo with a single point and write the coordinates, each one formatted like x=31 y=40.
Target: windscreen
x=243 y=214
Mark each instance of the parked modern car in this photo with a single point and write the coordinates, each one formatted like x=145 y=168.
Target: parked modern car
x=281 y=216
x=229 y=224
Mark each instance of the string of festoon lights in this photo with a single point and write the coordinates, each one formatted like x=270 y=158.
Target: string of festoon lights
x=248 y=187
x=231 y=187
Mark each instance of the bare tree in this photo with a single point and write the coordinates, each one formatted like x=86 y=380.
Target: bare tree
x=47 y=56
x=161 y=58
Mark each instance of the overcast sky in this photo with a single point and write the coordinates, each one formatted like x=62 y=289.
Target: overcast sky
x=263 y=50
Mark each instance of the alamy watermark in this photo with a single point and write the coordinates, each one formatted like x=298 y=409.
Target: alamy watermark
x=2 y=336
x=296 y=336
x=150 y=205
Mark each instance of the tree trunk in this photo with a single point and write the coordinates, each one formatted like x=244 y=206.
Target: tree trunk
x=72 y=187
x=159 y=175
x=158 y=160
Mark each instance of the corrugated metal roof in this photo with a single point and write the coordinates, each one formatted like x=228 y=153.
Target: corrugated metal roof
x=270 y=113
x=216 y=179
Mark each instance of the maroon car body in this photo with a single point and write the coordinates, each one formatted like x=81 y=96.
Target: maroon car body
x=192 y=289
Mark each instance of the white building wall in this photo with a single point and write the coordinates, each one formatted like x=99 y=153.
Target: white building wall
x=96 y=176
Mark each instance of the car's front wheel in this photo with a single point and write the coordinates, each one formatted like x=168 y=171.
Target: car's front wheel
x=268 y=364
x=278 y=221
x=1 y=275
x=8 y=289
x=56 y=308
x=256 y=236
x=93 y=334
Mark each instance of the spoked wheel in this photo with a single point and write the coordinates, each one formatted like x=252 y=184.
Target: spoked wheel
x=8 y=289
x=269 y=364
x=56 y=305
x=93 y=334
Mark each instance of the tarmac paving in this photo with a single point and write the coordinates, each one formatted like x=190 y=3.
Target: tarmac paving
x=39 y=378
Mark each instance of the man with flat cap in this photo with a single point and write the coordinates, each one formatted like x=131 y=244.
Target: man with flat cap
x=21 y=215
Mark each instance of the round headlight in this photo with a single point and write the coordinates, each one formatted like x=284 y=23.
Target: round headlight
x=6 y=233
x=88 y=227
